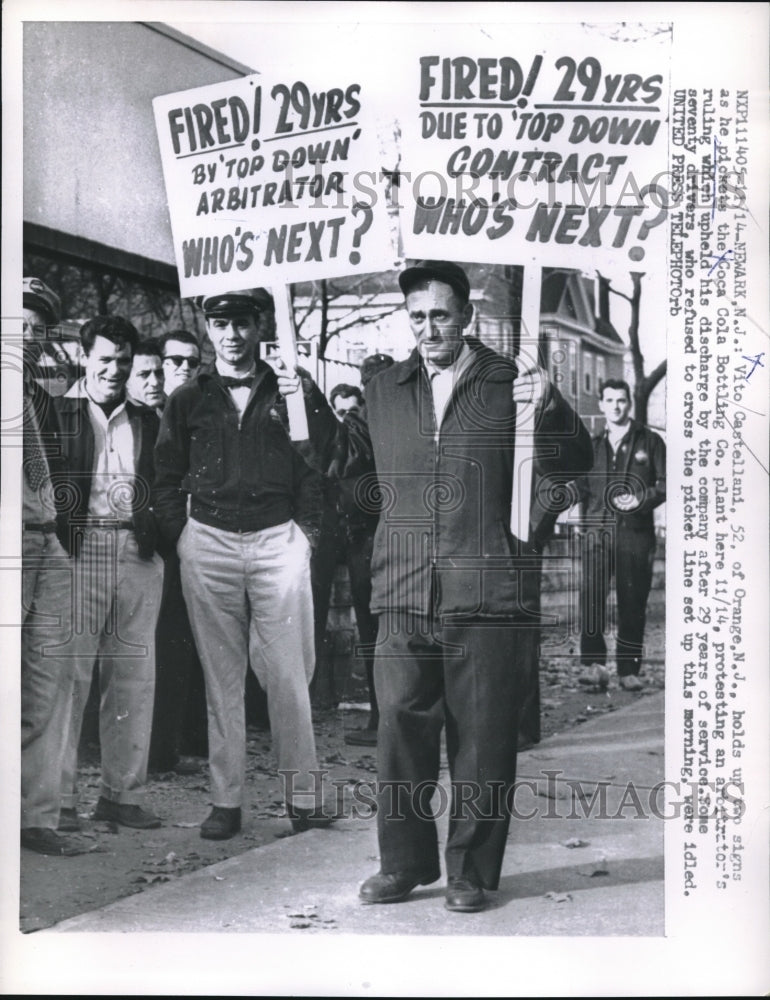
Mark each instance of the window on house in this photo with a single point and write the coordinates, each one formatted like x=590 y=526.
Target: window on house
x=600 y=374
x=573 y=369
x=587 y=372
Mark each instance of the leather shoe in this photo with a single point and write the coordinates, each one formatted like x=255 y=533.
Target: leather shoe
x=68 y=821
x=464 y=896
x=308 y=819
x=630 y=682
x=125 y=814
x=393 y=887
x=221 y=823
x=45 y=841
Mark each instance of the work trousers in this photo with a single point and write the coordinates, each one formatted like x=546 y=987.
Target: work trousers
x=628 y=555
x=355 y=551
x=179 y=716
x=469 y=679
x=250 y=601
x=112 y=616
x=358 y=556
x=46 y=678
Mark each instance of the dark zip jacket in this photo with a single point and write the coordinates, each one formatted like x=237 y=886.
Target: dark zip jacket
x=443 y=544
x=640 y=467
x=241 y=475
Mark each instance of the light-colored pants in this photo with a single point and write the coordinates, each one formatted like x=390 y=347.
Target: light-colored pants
x=46 y=679
x=250 y=601
x=114 y=607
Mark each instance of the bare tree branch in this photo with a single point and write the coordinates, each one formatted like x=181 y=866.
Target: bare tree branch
x=643 y=384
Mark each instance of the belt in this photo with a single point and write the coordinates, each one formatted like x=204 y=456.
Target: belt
x=45 y=526
x=107 y=522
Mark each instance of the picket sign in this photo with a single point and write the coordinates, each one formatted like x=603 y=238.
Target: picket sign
x=284 y=326
x=242 y=159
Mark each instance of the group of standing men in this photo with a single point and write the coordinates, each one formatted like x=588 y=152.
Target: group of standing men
x=220 y=484
x=92 y=571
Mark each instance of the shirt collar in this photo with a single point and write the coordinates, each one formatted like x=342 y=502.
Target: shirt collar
x=223 y=369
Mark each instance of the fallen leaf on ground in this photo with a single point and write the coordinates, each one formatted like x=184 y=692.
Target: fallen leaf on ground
x=558 y=897
x=574 y=842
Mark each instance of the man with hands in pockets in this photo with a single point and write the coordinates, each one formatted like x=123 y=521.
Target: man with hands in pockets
x=254 y=507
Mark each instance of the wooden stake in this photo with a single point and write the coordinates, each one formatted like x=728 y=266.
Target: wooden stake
x=284 y=326
x=524 y=439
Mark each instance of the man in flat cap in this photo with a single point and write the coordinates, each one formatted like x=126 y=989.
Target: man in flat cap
x=55 y=364
x=46 y=682
x=448 y=586
x=254 y=507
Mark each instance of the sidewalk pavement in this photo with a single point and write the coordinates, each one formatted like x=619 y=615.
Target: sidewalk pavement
x=572 y=867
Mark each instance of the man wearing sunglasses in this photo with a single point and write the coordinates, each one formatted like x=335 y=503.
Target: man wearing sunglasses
x=181 y=358
x=179 y=718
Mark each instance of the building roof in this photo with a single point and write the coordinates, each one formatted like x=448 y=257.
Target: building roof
x=572 y=295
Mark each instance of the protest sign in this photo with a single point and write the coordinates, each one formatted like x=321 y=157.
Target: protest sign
x=591 y=127
x=544 y=155
x=267 y=183
x=264 y=184
x=518 y=149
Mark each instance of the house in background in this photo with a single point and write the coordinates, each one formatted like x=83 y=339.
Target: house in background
x=581 y=348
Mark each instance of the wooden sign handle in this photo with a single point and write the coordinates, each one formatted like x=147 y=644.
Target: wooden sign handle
x=524 y=438
x=284 y=326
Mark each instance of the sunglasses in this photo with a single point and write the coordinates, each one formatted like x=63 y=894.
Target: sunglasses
x=178 y=360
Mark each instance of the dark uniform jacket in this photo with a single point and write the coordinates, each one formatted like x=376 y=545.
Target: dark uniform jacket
x=640 y=467
x=351 y=470
x=242 y=475
x=443 y=543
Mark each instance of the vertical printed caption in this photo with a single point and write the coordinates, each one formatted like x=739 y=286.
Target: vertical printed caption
x=721 y=399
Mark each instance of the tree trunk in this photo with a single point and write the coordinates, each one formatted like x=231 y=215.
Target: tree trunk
x=643 y=384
